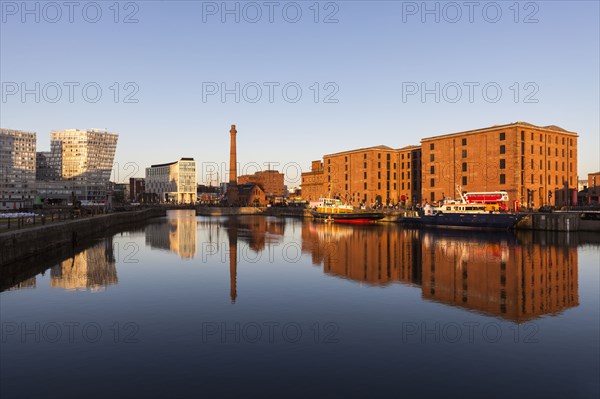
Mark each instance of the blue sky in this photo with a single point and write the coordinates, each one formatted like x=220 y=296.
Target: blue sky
x=543 y=56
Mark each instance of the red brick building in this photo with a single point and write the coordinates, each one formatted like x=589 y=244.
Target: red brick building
x=535 y=165
x=271 y=182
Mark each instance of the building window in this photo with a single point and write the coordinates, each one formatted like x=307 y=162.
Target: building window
x=394 y=175
x=432 y=183
x=531 y=179
x=379 y=175
x=394 y=186
x=394 y=165
x=502 y=178
x=502 y=149
x=388 y=157
x=522 y=134
x=431 y=146
x=432 y=170
x=464 y=153
x=502 y=136
x=464 y=141
x=379 y=185
x=402 y=186
x=432 y=196
x=365 y=165
x=549 y=179
x=408 y=185
x=365 y=185
x=464 y=166
x=408 y=165
x=549 y=153
x=379 y=164
x=541 y=138
x=464 y=180
x=378 y=156
x=328 y=161
x=532 y=149
x=431 y=157
x=364 y=156
x=541 y=152
x=503 y=164
x=549 y=166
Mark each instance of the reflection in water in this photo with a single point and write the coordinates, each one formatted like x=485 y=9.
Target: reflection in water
x=498 y=273
x=93 y=269
x=177 y=234
x=256 y=233
x=27 y=283
x=517 y=277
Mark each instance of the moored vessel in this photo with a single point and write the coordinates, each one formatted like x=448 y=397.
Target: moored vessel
x=333 y=210
x=463 y=213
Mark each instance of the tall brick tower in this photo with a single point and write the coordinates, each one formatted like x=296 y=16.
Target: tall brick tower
x=232 y=190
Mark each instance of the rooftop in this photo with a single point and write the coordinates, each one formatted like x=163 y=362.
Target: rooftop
x=497 y=127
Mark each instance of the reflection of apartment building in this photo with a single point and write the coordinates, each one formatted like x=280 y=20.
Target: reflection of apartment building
x=17 y=169
x=178 y=235
x=366 y=175
x=270 y=181
x=534 y=165
x=79 y=162
x=173 y=182
x=93 y=269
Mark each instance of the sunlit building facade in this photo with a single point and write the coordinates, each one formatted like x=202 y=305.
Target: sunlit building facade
x=17 y=169
x=173 y=182
x=80 y=162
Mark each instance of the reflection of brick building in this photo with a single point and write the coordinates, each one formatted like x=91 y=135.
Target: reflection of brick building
x=517 y=282
x=519 y=158
x=496 y=274
x=270 y=181
x=378 y=255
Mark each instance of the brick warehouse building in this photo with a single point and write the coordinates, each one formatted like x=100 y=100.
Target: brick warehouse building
x=312 y=182
x=535 y=165
x=366 y=175
x=270 y=181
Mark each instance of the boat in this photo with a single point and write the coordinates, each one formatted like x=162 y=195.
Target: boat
x=333 y=210
x=462 y=213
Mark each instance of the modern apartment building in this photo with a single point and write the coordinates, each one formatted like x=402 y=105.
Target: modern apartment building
x=17 y=169
x=535 y=165
x=173 y=182
x=80 y=163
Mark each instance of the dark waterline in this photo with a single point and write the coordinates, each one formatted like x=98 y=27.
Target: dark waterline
x=262 y=306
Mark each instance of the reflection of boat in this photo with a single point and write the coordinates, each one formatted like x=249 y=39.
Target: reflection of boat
x=463 y=214
x=333 y=210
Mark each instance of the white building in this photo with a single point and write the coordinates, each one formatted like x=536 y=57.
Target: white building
x=17 y=169
x=79 y=162
x=173 y=182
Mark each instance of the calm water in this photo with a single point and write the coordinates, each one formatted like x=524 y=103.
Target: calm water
x=283 y=307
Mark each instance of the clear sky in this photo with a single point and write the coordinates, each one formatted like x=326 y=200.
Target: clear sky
x=370 y=60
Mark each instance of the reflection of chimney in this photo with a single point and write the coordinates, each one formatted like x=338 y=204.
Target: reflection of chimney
x=232 y=157
x=232 y=236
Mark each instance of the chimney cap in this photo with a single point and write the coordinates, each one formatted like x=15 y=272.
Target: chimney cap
x=233 y=127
